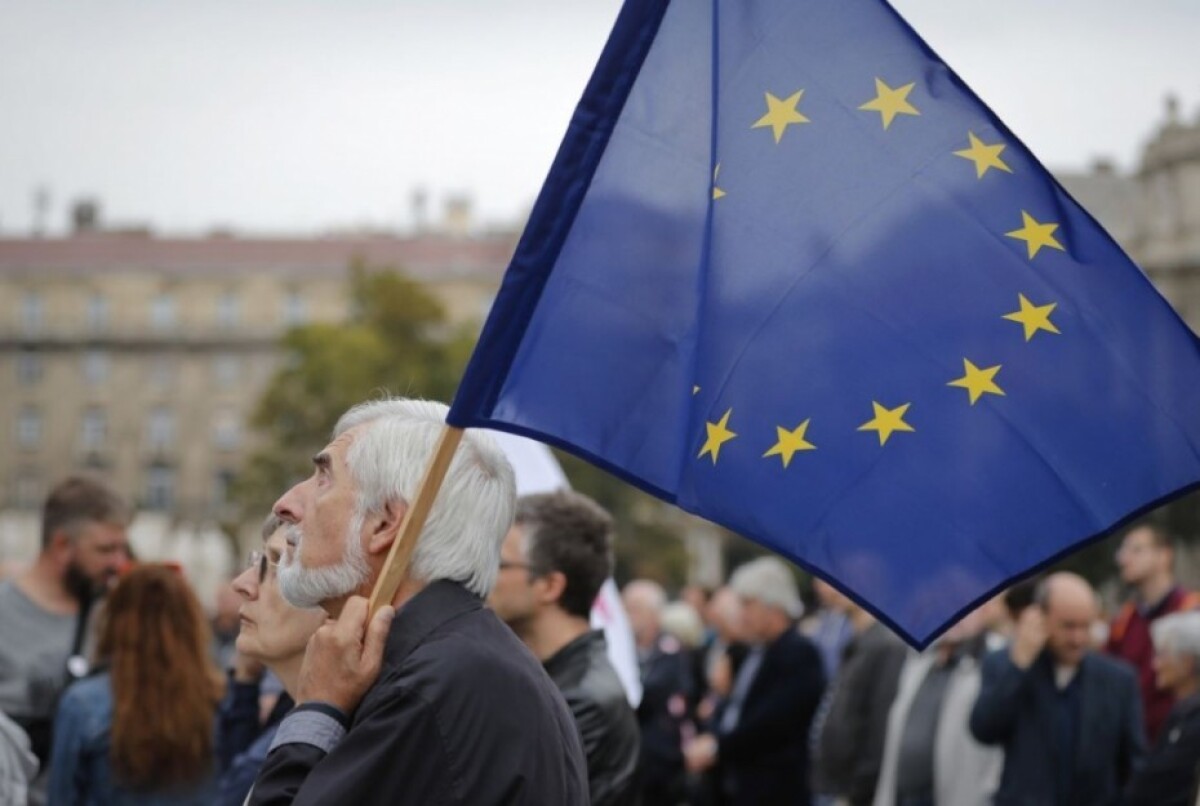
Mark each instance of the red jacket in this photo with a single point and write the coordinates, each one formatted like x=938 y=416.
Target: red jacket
x=1129 y=639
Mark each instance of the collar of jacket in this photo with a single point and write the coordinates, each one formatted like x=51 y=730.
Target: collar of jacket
x=577 y=647
x=436 y=604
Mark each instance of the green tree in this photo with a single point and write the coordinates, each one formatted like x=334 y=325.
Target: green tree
x=397 y=341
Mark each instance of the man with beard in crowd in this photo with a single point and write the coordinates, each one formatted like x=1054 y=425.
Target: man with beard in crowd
x=441 y=703
x=552 y=564
x=44 y=611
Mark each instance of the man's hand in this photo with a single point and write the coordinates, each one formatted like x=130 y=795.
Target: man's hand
x=1028 y=638
x=343 y=657
x=700 y=753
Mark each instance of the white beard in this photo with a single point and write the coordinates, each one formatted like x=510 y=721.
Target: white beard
x=308 y=587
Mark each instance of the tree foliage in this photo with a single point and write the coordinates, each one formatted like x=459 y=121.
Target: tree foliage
x=397 y=340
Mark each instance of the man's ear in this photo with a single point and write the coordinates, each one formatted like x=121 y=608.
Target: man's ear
x=386 y=527
x=553 y=586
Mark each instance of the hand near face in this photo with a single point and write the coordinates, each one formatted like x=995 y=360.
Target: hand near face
x=1029 y=637
x=700 y=753
x=344 y=656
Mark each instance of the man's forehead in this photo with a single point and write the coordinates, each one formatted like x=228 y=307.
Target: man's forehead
x=340 y=446
x=101 y=532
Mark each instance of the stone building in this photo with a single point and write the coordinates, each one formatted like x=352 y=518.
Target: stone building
x=141 y=357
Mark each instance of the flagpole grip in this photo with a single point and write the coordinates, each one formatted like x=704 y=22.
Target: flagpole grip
x=396 y=566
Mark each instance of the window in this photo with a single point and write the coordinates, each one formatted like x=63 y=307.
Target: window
x=222 y=485
x=33 y=312
x=29 y=367
x=162 y=371
x=226 y=369
x=227 y=430
x=95 y=428
x=160 y=487
x=95 y=366
x=29 y=427
x=162 y=311
x=29 y=489
x=229 y=309
x=97 y=312
x=295 y=310
x=160 y=427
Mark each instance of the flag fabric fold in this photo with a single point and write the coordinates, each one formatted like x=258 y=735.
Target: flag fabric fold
x=790 y=274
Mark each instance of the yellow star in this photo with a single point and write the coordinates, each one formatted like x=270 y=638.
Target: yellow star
x=886 y=421
x=1035 y=235
x=718 y=435
x=890 y=102
x=984 y=156
x=1033 y=317
x=977 y=381
x=781 y=114
x=789 y=442
x=717 y=192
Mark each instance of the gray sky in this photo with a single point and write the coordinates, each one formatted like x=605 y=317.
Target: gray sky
x=298 y=115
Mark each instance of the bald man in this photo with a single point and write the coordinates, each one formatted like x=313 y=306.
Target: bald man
x=1069 y=719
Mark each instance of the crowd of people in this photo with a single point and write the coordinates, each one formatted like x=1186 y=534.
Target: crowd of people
x=486 y=682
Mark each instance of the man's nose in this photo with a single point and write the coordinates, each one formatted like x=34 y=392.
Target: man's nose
x=290 y=506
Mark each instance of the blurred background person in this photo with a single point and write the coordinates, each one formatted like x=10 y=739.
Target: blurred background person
x=553 y=562
x=760 y=742
x=274 y=635
x=829 y=628
x=1146 y=560
x=930 y=757
x=18 y=764
x=141 y=731
x=44 y=611
x=850 y=730
x=667 y=689
x=1069 y=719
x=1169 y=776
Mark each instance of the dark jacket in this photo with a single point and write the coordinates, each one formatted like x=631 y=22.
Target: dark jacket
x=1168 y=777
x=609 y=730
x=1016 y=709
x=668 y=692
x=764 y=757
x=850 y=747
x=462 y=713
x=243 y=740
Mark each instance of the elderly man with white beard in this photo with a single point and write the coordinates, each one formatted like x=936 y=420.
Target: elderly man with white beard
x=440 y=703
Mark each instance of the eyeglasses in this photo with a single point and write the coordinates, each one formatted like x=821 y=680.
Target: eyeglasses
x=260 y=560
x=505 y=564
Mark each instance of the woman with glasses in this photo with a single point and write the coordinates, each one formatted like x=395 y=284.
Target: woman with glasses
x=140 y=731
x=1168 y=775
x=273 y=634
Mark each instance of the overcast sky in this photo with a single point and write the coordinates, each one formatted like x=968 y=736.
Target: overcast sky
x=298 y=115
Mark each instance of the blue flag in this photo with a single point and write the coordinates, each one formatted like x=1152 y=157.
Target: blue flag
x=790 y=274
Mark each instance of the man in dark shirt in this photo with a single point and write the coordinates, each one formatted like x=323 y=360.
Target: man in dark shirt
x=440 y=703
x=1069 y=719
x=552 y=564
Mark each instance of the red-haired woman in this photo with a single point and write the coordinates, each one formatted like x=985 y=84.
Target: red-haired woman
x=141 y=731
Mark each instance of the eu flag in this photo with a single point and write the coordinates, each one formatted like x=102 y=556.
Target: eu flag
x=789 y=273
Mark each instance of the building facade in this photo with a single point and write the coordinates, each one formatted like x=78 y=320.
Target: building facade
x=141 y=358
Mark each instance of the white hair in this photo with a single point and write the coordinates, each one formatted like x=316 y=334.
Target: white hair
x=769 y=581
x=308 y=587
x=473 y=510
x=1178 y=633
x=681 y=620
x=647 y=592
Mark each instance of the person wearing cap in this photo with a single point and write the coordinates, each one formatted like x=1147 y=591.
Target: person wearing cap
x=759 y=745
x=852 y=725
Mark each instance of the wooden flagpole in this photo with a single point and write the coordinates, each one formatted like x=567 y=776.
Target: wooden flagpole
x=396 y=565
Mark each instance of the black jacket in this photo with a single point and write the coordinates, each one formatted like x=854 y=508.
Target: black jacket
x=609 y=730
x=668 y=692
x=764 y=758
x=1016 y=710
x=850 y=749
x=462 y=713
x=1169 y=775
